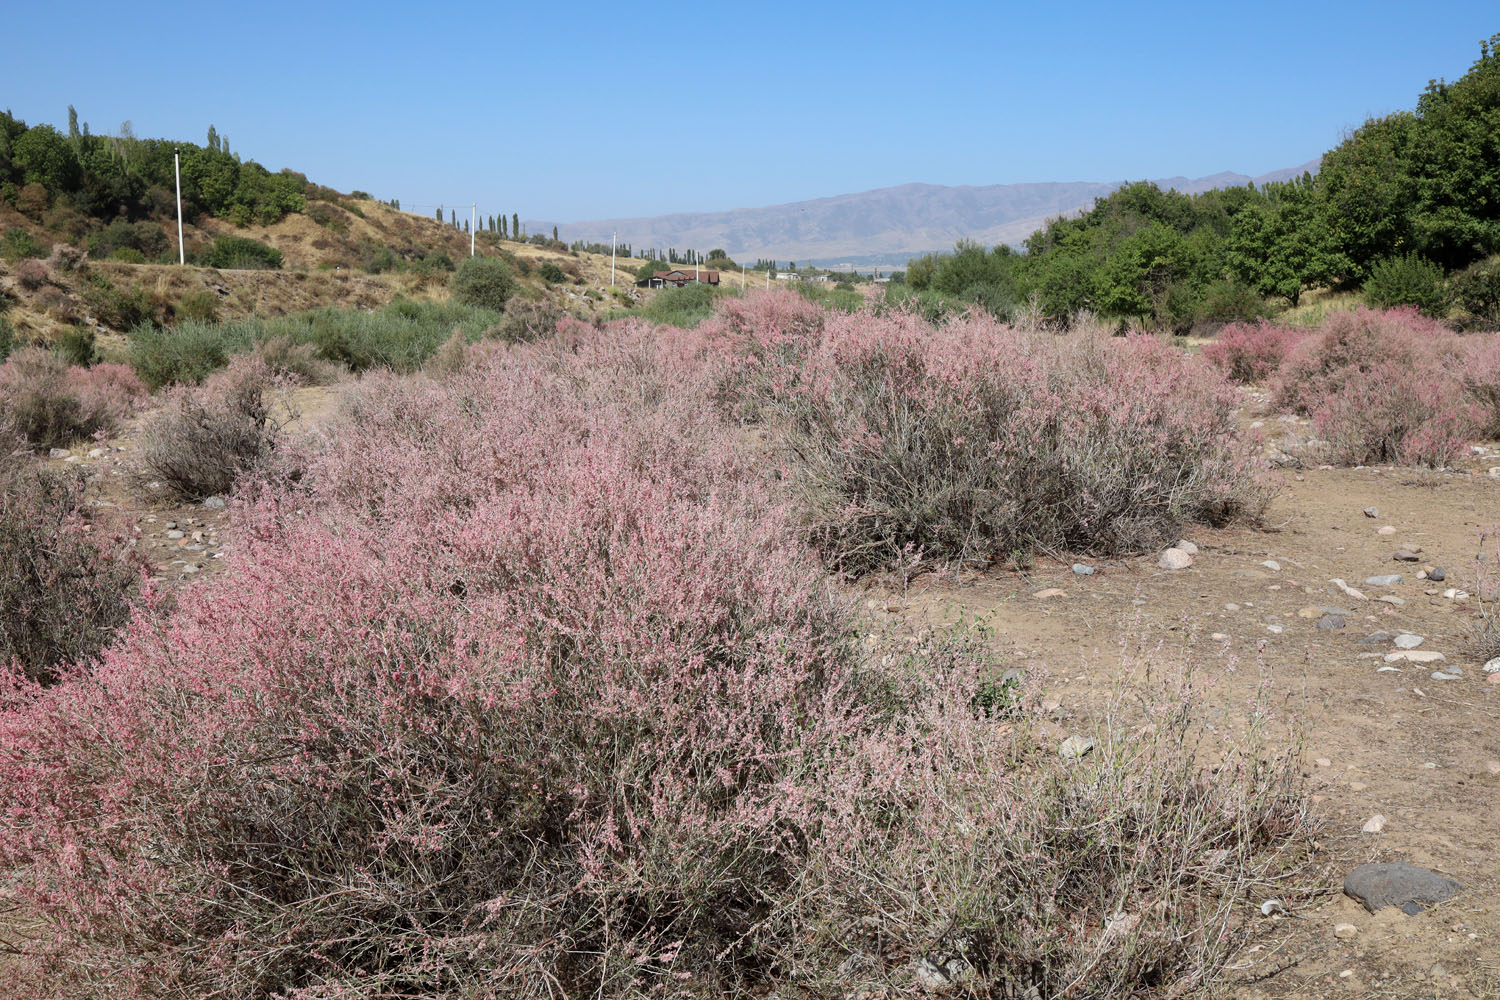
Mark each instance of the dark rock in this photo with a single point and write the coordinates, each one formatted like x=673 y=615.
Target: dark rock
x=1376 y=639
x=1397 y=883
x=1437 y=575
x=1405 y=555
x=1372 y=512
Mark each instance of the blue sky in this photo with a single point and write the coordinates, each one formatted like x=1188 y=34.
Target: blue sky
x=571 y=111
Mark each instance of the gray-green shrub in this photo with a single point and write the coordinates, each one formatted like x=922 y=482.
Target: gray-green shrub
x=484 y=281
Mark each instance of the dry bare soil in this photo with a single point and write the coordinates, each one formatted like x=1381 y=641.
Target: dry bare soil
x=1423 y=753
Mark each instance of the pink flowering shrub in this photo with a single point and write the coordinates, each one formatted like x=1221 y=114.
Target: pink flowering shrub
x=1382 y=387
x=1480 y=368
x=527 y=688
x=52 y=404
x=972 y=441
x=1252 y=353
x=1348 y=345
x=754 y=345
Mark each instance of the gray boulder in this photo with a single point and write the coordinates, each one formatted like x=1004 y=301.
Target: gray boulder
x=1397 y=883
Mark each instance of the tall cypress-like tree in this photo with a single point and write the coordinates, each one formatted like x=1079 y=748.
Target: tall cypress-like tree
x=504 y=228
x=453 y=217
x=213 y=139
x=554 y=234
x=515 y=225
x=438 y=215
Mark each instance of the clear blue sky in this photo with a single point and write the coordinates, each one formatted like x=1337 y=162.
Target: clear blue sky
x=570 y=111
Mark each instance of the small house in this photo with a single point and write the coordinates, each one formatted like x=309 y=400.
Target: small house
x=679 y=277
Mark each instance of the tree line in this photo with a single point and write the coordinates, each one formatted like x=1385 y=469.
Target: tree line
x=1409 y=202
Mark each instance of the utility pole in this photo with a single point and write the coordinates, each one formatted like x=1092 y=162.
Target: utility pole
x=612 y=237
x=474 y=228
x=177 y=170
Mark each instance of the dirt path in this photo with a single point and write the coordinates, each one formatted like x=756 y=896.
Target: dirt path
x=1423 y=753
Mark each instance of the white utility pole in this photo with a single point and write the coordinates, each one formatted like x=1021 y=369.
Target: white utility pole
x=473 y=226
x=177 y=170
x=612 y=237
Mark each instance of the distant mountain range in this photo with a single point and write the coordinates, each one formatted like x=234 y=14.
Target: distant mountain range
x=883 y=227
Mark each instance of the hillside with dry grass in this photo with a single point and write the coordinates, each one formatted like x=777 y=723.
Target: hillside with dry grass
x=340 y=251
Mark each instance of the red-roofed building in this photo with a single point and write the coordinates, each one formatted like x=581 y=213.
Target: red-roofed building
x=679 y=277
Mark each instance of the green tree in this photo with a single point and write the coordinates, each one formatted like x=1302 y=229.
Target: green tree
x=515 y=226
x=44 y=157
x=1283 y=244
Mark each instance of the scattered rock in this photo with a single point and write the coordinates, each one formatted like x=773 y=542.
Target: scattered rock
x=1415 y=656
x=174 y=535
x=59 y=453
x=1323 y=762
x=1278 y=629
x=1492 y=666
x=1387 y=530
x=1186 y=546
x=1272 y=565
x=1330 y=622
x=1446 y=675
x=1344 y=931
x=1042 y=595
x=1408 y=641
x=1075 y=747
x=1219 y=636
x=1493 y=767
x=214 y=503
x=1406 y=555
x=1376 y=639
x=1372 y=512
x=1454 y=594
x=1391 y=599
x=1396 y=883
x=1436 y=574
x=1082 y=569
x=1348 y=591
x=1231 y=607
x=96 y=453
x=1388 y=580
x=1174 y=559
x=1374 y=824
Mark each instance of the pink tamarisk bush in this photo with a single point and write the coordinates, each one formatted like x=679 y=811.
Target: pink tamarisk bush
x=527 y=688
x=1252 y=353
x=51 y=403
x=1382 y=387
x=972 y=440
x=1481 y=377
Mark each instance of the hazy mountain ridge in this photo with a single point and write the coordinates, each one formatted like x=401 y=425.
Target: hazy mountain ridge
x=885 y=225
